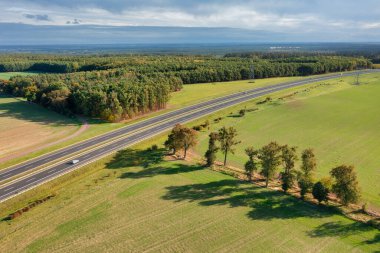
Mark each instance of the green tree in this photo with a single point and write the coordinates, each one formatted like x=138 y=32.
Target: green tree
x=252 y=164
x=289 y=157
x=308 y=167
x=327 y=183
x=320 y=192
x=305 y=185
x=242 y=112
x=227 y=139
x=346 y=186
x=207 y=124
x=30 y=93
x=210 y=154
x=309 y=163
x=174 y=141
x=189 y=139
x=114 y=107
x=270 y=160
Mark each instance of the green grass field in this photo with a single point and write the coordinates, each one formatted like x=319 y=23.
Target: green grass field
x=8 y=75
x=174 y=206
x=195 y=93
x=338 y=120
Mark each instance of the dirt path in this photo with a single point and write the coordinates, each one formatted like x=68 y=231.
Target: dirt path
x=27 y=151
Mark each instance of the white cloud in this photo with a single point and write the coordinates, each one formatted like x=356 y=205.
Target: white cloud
x=372 y=25
x=237 y=16
x=273 y=15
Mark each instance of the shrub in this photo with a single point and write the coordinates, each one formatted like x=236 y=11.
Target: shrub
x=320 y=192
x=197 y=128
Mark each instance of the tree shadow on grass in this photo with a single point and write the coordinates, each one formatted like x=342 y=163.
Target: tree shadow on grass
x=155 y=171
x=148 y=159
x=375 y=240
x=135 y=157
x=264 y=205
x=339 y=229
x=235 y=116
x=22 y=110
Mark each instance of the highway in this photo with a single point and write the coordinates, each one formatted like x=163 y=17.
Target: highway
x=100 y=146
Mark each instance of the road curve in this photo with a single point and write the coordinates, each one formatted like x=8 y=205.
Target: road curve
x=129 y=135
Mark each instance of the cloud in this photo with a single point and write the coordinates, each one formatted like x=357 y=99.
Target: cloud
x=371 y=25
x=37 y=17
x=74 y=22
x=342 y=17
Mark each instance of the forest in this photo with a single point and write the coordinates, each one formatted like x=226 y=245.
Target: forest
x=117 y=87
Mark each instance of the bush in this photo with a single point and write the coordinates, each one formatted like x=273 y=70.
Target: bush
x=218 y=119
x=320 y=192
x=197 y=128
x=266 y=100
x=305 y=185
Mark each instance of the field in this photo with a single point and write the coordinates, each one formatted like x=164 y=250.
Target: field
x=26 y=126
x=194 y=93
x=338 y=120
x=190 y=94
x=176 y=206
x=7 y=75
x=138 y=201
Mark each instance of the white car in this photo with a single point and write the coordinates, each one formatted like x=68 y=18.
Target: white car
x=74 y=161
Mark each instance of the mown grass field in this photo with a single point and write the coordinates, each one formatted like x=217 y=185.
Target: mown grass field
x=338 y=120
x=8 y=75
x=176 y=206
x=195 y=93
x=24 y=126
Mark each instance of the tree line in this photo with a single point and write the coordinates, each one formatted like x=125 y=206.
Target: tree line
x=191 y=69
x=115 y=87
x=271 y=158
x=110 y=95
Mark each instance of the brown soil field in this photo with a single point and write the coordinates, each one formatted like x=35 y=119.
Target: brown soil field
x=26 y=127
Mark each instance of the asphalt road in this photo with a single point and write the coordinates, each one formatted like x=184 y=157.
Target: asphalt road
x=129 y=135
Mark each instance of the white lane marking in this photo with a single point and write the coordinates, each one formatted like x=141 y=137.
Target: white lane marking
x=30 y=179
x=9 y=189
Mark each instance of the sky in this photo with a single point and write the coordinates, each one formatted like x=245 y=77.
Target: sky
x=301 y=20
